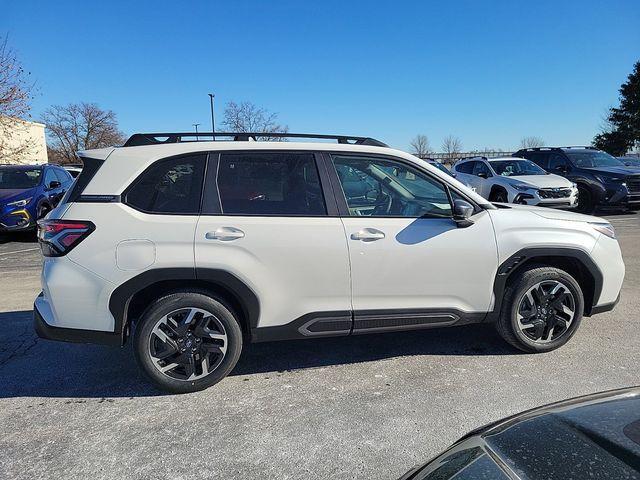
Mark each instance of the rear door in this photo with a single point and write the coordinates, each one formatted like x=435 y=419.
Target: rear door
x=464 y=174
x=411 y=265
x=270 y=221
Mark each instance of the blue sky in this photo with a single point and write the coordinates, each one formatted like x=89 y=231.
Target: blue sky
x=487 y=72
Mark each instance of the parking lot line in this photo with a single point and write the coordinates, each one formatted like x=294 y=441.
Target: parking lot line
x=18 y=251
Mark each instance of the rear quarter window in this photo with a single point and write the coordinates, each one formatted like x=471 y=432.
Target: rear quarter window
x=170 y=186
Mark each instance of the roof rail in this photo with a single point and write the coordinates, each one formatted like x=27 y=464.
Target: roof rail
x=535 y=149
x=138 y=139
x=473 y=156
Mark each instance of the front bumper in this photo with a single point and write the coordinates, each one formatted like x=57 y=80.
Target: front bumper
x=533 y=197
x=617 y=196
x=605 y=307
x=44 y=330
x=17 y=221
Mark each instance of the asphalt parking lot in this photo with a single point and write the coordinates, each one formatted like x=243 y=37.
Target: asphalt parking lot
x=361 y=407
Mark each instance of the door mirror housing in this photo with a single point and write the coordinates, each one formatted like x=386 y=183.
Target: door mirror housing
x=462 y=211
x=483 y=175
x=54 y=184
x=562 y=168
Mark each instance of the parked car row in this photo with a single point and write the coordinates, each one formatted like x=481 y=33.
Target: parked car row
x=583 y=178
x=516 y=180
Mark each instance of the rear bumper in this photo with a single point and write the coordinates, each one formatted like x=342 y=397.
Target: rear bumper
x=41 y=312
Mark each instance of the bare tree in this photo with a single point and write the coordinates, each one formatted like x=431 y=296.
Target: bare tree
x=247 y=117
x=531 y=142
x=15 y=105
x=420 y=146
x=80 y=126
x=451 y=146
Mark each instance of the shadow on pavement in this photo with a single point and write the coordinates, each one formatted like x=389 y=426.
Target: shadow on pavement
x=32 y=367
x=18 y=237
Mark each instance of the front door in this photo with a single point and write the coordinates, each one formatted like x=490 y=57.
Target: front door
x=411 y=265
x=266 y=221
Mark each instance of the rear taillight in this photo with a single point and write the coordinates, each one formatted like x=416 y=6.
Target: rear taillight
x=59 y=237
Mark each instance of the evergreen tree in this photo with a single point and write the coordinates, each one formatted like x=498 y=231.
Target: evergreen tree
x=624 y=120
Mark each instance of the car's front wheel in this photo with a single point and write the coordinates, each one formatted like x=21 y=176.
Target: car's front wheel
x=187 y=341
x=541 y=310
x=499 y=196
x=585 y=200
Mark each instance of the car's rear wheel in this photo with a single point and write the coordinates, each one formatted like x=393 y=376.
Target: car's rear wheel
x=585 y=200
x=187 y=341
x=541 y=310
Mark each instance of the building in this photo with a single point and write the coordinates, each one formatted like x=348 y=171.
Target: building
x=22 y=141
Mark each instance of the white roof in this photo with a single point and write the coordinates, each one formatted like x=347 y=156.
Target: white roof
x=505 y=158
x=131 y=161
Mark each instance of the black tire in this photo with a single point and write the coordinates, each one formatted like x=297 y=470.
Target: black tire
x=585 y=200
x=508 y=325
x=499 y=196
x=223 y=316
x=42 y=211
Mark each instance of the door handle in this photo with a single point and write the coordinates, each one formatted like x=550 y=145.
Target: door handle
x=368 y=235
x=225 y=234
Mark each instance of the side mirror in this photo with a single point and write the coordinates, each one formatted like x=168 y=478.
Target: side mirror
x=54 y=184
x=462 y=211
x=562 y=168
x=482 y=175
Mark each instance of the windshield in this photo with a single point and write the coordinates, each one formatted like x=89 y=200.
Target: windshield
x=19 y=178
x=593 y=159
x=512 y=168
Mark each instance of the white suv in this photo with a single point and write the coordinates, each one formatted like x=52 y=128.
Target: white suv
x=196 y=247
x=516 y=180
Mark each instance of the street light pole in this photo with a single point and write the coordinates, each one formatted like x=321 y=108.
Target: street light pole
x=213 y=122
x=197 y=137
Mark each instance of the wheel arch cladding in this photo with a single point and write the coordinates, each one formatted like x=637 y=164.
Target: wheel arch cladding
x=574 y=261
x=130 y=299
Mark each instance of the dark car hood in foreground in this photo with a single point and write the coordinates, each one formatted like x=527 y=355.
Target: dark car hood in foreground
x=6 y=194
x=592 y=437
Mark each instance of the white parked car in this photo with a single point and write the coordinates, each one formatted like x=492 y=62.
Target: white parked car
x=193 y=248
x=516 y=180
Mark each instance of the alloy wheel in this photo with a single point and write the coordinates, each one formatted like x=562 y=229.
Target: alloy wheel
x=188 y=344
x=546 y=311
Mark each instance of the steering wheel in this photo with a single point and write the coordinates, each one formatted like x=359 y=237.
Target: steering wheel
x=383 y=206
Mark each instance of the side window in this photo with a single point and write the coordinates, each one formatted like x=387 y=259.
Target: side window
x=541 y=159
x=270 y=184
x=465 y=167
x=385 y=188
x=63 y=176
x=169 y=186
x=481 y=168
x=49 y=176
x=556 y=160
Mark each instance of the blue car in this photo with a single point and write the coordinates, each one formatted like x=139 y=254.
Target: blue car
x=28 y=193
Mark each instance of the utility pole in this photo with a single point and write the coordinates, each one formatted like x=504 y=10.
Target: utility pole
x=213 y=121
x=197 y=137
